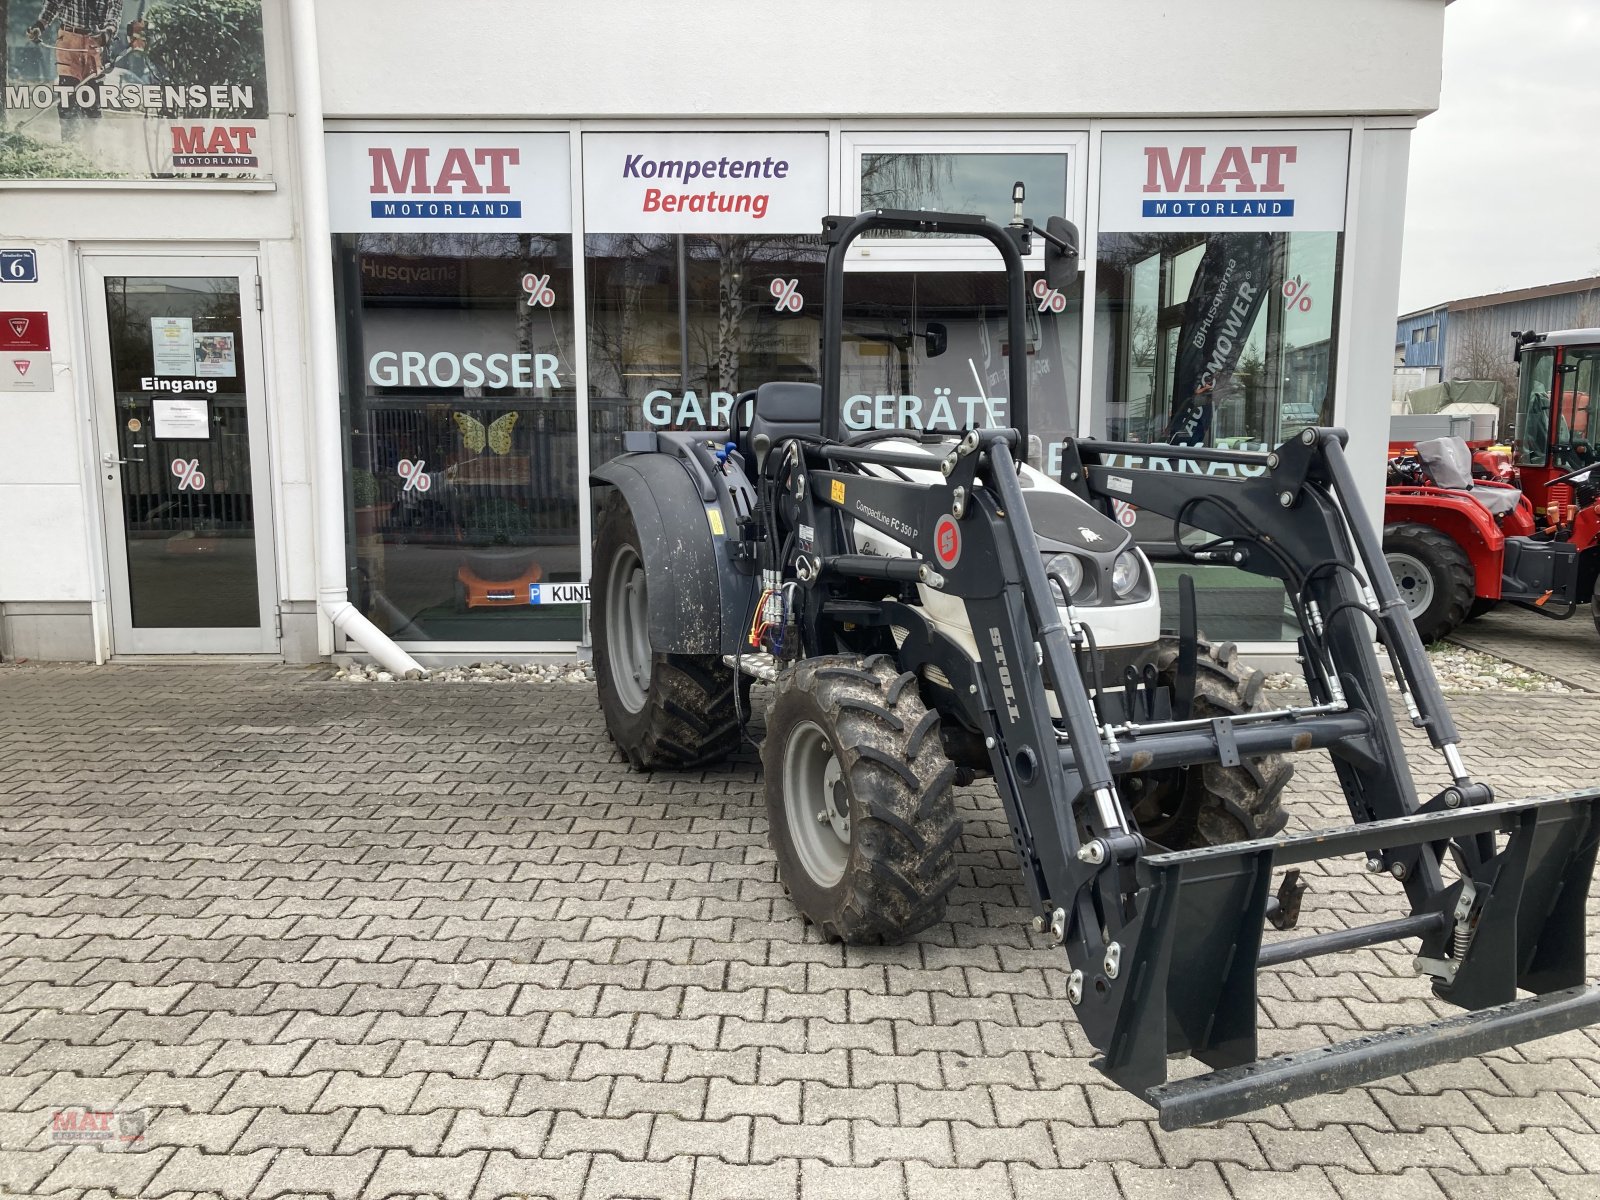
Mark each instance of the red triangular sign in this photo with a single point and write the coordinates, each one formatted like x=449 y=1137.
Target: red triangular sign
x=22 y=365
x=19 y=326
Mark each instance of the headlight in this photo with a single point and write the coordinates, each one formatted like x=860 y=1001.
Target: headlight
x=1064 y=570
x=1125 y=573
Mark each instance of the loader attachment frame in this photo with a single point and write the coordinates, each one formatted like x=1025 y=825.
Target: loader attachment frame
x=1164 y=946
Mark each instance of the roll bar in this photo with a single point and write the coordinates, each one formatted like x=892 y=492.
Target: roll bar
x=1013 y=241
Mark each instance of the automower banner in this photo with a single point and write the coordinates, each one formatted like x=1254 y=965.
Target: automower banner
x=133 y=89
x=1232 y=281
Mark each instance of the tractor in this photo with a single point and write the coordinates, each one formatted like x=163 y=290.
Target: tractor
x=1458 y=546
x=929 y=609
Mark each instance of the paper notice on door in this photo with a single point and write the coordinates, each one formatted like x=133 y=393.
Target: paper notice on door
x=213 y=355
x=172 y=340
x=187 y=419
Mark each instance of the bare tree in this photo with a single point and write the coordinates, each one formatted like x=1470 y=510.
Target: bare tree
x=1478 y=351
x=1588 y=314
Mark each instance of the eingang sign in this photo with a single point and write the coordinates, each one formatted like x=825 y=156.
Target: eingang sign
x=133 y=89
x=449 y=182
x=1247 y=179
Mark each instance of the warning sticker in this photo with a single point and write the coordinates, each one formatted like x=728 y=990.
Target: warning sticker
x=836 y=491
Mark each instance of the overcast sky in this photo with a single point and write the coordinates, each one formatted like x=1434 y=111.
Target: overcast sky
x=1505 y=177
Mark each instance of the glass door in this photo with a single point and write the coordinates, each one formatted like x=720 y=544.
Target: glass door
x=176 y=351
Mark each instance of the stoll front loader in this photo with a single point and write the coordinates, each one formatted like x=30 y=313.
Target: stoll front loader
x=932 y=610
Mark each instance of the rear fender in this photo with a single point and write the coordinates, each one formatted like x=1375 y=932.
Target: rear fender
x=1460 y=518
x=686 y=561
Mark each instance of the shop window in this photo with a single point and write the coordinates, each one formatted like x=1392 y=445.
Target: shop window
x=890 y=378
x=460 y=387
x=710 y=310
x=680 y=324
x=968 y=172
x=963 y=182
x=1220 y=339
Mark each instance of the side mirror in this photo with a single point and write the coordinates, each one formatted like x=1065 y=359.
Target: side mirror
x=937 y=338
x=1060 y=254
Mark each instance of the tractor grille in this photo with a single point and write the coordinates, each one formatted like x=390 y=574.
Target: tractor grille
x=1558 y=503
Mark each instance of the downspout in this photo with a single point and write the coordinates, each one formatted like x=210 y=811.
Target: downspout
x=333 y=596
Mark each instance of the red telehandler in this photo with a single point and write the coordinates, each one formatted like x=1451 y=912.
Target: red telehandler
x=1457 y=547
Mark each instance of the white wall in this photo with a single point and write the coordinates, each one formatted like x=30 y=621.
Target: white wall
x=620 y=58
x=1372 y=281
x=51 y=539
x=44 y=539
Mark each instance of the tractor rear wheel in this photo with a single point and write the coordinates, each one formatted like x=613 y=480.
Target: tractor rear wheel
x=1434 y=576
x=1208 y=804
x=1594 y=608
x=860 y=805
x=662 y=710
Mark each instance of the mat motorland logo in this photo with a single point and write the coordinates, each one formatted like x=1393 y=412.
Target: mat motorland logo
x=214 y=146
x=108 y=1128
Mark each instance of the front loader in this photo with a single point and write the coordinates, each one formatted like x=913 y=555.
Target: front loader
x=931 y=610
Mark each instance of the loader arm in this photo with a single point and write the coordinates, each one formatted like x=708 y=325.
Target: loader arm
x=1164 y=947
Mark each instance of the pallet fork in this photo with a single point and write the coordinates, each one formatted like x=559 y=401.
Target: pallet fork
x=1496 y=889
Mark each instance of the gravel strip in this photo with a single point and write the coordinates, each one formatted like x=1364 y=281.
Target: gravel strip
x=1460 y=670
x=573 y=671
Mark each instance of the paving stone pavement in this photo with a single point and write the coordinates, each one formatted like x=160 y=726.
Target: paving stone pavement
x=434 y=939
x=1567 y=650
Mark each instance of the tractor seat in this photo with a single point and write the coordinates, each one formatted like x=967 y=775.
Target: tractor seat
x=784 y=410
x=1449 y=464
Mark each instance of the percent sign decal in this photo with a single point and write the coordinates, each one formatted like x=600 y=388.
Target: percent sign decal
x=188 y=474
x=417 y=480
x=1050 y=300
x=540 y=293
x=788 y=295
x=1298 y=294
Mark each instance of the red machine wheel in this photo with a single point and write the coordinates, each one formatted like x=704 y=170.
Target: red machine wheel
x=1434 y=576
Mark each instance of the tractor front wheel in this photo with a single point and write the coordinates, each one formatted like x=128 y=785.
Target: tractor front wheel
x=860 y=810
x=1208 y=804
x=662 y=710
x=1434 y=576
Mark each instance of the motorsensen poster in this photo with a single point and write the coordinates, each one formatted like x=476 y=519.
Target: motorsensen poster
x=132 y=89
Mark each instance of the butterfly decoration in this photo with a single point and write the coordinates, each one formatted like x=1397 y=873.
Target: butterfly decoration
x=497 y=434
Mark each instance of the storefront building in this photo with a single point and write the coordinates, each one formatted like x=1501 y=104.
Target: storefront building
x=332 y=351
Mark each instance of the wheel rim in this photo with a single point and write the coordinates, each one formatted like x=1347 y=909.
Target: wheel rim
x=1414 y=581
x=816 y=805
x=628 y=628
